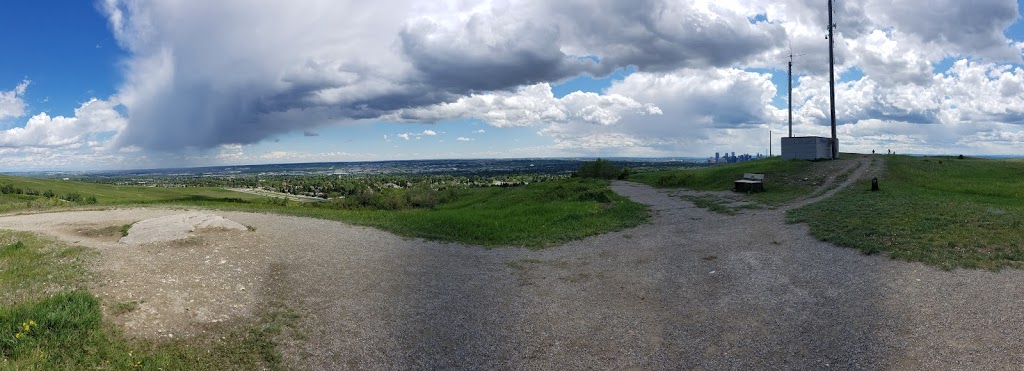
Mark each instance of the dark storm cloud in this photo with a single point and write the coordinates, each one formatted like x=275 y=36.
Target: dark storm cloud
x=232 y=71
x=484 y=54
x=202 y=74
x=663 y=35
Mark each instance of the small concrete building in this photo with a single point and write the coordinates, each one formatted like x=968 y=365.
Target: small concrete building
x=806 y=148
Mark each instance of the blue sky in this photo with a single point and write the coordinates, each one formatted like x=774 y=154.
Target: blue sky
x=69 y=59
x=124 y=84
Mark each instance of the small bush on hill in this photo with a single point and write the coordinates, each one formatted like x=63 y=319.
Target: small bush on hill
x=601 y=169
x=8 y=189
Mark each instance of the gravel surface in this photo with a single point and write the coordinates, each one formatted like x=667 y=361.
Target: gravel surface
x=690 y=290
x=176 y=227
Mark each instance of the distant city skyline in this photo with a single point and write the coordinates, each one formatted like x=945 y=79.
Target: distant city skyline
x=119 y=84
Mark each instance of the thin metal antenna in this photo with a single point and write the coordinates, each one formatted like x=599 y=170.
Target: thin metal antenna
x=832 y=81
x=790 y=81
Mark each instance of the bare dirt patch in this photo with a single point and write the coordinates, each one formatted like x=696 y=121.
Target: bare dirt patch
x=197 y=270
x=100 y=231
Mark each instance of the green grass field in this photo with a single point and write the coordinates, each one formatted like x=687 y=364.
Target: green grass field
x=784 y=182
x=48 y=321
x=943 y=211
x=110 y=195
x=535 y=216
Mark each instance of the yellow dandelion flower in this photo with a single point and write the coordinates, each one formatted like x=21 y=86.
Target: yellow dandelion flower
x=18 y=335
x=31 y=323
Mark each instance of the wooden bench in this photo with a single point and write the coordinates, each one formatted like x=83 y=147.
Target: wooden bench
x=750 y=183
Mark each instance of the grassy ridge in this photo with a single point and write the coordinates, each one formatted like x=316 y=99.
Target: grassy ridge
x=47 y=322
x=109 y=194
x=943 y=211
x=541 y=214
x=784 y=180
x=536 y=215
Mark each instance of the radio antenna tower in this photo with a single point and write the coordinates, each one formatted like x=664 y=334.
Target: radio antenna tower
x=832 y=81
x=790 y=80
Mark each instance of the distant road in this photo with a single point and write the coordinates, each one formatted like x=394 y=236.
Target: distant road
x=261 y=192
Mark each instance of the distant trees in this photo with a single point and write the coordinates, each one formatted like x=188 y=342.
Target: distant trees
x=417 y=196
x=70 y=197
x=8 y=189
x=78 y=199
x=602 y=169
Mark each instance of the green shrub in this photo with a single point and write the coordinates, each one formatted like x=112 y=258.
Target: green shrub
x=8 y=189
x=600 y=169
x=624 y=174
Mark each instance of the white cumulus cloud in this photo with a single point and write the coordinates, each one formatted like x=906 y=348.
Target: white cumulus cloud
x=91 y=119
x=531 y=105
x=12 y=103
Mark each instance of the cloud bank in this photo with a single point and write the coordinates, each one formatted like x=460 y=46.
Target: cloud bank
x=206 y=76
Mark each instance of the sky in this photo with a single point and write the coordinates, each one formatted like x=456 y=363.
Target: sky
x=121 y=84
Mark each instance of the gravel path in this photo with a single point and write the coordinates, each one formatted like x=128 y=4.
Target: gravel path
x=690 y=290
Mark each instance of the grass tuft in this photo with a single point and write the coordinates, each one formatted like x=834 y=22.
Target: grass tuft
x=125 y=228
x=124 y=307
x=711 y=203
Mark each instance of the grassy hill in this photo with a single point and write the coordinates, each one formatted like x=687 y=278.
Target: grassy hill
x=784 y=180
x=535 y=216
x=32 y=190
x=944 y=211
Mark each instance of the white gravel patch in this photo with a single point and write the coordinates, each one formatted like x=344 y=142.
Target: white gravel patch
x=176 y=227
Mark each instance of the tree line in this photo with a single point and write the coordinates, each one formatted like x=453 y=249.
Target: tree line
x=9 y=189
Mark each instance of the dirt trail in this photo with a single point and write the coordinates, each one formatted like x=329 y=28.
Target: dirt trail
x=690 y=290
x=862 y=168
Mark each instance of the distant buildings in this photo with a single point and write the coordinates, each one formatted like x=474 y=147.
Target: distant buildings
x=732 y=158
